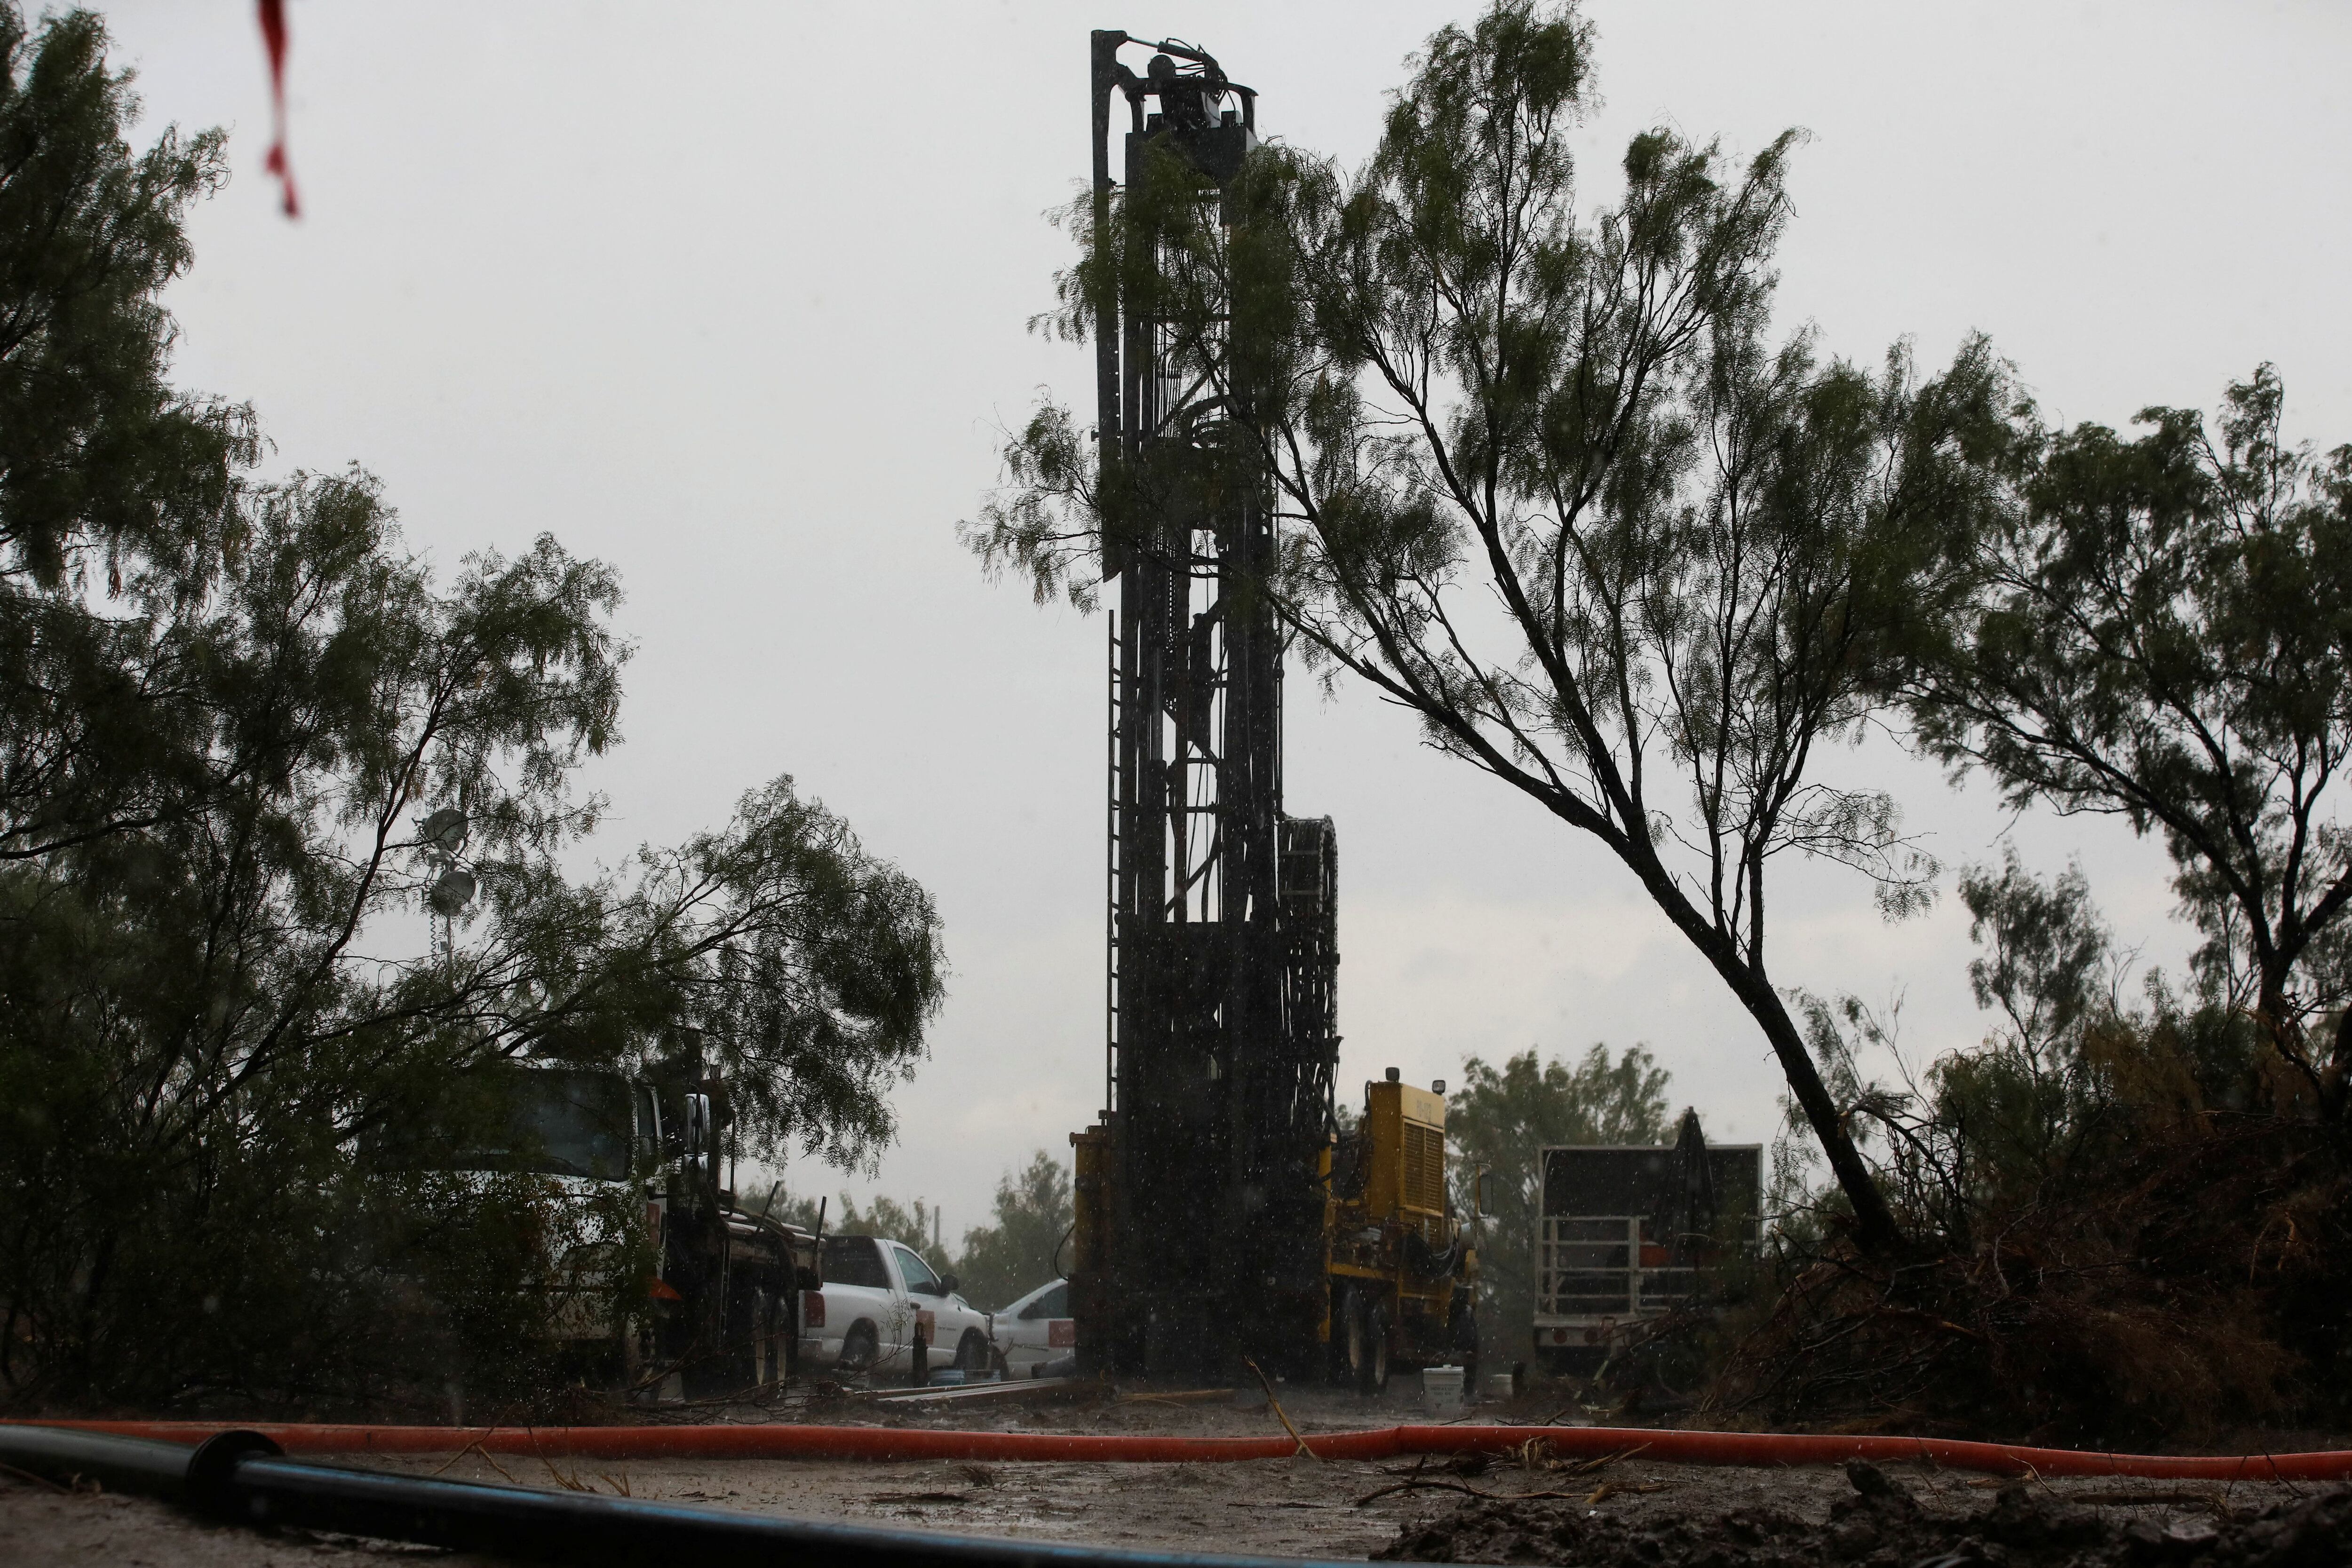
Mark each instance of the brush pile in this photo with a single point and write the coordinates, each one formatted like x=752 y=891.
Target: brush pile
x=2141 y=1240
x=2196 y=1288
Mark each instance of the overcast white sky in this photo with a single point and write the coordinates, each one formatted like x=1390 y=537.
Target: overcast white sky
x=733 y=297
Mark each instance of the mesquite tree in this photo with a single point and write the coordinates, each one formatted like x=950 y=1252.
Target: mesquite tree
x=238 y=721
x=2157 y=631
x=1544 y=482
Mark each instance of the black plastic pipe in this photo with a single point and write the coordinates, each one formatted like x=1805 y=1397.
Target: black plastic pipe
x=244 y=1478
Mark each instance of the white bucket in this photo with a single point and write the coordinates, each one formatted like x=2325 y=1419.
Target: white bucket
x=1441 y=1387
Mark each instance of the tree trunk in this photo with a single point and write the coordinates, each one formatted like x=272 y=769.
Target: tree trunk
x=1875 y=1227
x=1876 y=1230
x=2272 y=1015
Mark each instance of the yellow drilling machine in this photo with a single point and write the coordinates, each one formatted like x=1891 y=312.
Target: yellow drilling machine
x=1398 y=1273
x=1402 y=1269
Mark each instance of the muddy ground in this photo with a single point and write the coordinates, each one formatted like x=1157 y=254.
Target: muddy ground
x=1630 y=1511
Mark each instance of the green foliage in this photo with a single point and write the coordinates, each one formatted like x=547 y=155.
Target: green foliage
x=481 y=1273
x=910 y=1224
x=1494 y=1124
x=225 y=708
x=2154 y=631
x=1545 y=480
x=2064 y=1083
x=1022 y=1248
x=97 y=453
x=2017 y=1108
x=2044 y=953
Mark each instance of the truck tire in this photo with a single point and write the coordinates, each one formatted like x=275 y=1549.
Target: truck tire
x=857 y=1348
x=972 y=1353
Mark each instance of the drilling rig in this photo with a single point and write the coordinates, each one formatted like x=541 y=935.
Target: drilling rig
x=1206 y=1204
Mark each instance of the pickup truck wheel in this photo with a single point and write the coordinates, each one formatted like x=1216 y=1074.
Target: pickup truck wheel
x=857 y=1348
x=971 y=1351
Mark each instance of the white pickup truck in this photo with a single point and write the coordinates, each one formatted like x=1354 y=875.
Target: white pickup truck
x=1037 y=1330
x=882 y=1311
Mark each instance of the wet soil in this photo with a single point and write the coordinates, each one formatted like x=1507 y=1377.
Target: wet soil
x=1884 y=1524
x=1468 y=1509
x=44 y=1525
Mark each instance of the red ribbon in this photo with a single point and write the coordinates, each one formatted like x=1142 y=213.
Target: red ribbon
x=273 y=36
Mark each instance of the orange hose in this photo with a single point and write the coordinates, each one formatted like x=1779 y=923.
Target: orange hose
x=794 y=1442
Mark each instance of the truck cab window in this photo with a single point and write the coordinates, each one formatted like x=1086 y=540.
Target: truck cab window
x=919 y=1278
x=1053 y=1303
x=855 y=1261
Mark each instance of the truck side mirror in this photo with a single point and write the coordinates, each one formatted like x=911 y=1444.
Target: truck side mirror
x=948 y=1283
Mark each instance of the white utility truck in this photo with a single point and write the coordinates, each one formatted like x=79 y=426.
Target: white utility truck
x=716 y=1314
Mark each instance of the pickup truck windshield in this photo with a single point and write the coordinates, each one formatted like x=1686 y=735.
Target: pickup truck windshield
x=571 y=1124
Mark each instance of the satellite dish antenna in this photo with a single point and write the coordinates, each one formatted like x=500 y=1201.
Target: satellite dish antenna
x=452 y=891
x=445 y=830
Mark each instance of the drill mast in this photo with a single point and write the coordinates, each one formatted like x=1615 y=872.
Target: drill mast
x=1208 y=1242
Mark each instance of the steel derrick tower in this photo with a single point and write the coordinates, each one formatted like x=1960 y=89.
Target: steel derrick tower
x=1203 y=1192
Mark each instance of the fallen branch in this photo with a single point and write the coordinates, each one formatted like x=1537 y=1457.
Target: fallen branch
x=476 y=1447
x=569 y=1483
x=1606 y=1489
x=1594 y=1467
x=1468 y=1464
x=1276 y=1404
x=36 y=1480
x=1186 y=1396
x=1929 y=1320
x=1535 y=1453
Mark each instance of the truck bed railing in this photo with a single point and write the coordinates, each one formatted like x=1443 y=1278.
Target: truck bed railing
x=1589 y=1266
